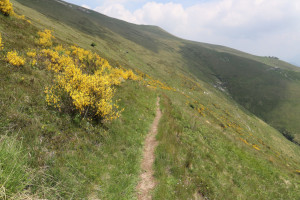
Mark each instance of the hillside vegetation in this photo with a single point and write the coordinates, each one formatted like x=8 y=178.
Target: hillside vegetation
x=265 y=86
x=74 y=116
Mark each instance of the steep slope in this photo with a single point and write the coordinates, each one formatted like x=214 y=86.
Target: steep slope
x=209 y=146
x=271 y=93
x=265 y=86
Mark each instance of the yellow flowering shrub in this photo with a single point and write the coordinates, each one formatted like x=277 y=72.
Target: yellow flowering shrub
x=51 y=98
x=245 y=141
x=31 y=54
x=256 y=147
x=45 y=38
x=6 y=7
x=59 y=48
x=82 y=54
x=83 y=81
x=22 y=17
x=33 y=62
x=130 y=75
x=1 y=44
x=13 y=58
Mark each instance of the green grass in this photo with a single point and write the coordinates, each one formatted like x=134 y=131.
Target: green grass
x=15 y=174
x=103 y=161
x=199 y=159
x=74 y=158
x=268 y=92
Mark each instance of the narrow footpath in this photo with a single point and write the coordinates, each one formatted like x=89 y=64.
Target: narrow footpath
x=147 y=181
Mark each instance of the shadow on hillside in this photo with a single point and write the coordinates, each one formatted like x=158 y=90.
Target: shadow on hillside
x=96 y=24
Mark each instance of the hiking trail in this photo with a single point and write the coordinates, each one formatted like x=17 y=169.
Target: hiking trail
x=147 y=181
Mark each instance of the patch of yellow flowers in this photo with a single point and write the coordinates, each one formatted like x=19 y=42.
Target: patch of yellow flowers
x=1 y=44
x=22 y=17
x=89 y=92
x=6 y=7
x=83 y=81
x=45 y=39
x=31 y=54
x=152 y=83
x=14 y=59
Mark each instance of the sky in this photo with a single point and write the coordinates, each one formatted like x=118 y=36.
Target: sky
x=259 y=27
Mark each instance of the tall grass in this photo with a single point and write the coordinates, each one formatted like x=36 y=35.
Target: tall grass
x=15 y=174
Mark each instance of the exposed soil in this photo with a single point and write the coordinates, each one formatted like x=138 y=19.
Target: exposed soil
x=147 y=181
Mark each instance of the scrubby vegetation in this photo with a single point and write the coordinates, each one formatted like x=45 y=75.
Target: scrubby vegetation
x=14 y=59
x=45 y=38
x=1 y=44
x=90 y=93
x=6 y=7
x=82 y=80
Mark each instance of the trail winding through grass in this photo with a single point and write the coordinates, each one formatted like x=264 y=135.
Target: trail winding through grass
x=147 y=181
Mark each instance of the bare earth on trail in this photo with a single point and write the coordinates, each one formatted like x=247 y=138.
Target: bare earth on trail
x=147 y=182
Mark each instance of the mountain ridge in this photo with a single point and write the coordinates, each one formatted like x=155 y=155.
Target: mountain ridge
x=114 y=21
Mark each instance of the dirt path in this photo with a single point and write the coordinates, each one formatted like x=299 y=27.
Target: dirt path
x=147 y=182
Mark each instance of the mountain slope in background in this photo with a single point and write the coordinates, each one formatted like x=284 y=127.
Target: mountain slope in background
x=211 y=143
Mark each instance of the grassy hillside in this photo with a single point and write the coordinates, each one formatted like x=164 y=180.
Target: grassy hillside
x=221 y=153
x=265 y=86
x=56 y=155
x=271 y=93
x=209 y=145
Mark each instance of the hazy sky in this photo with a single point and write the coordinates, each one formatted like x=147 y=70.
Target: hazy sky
x=260 y=27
